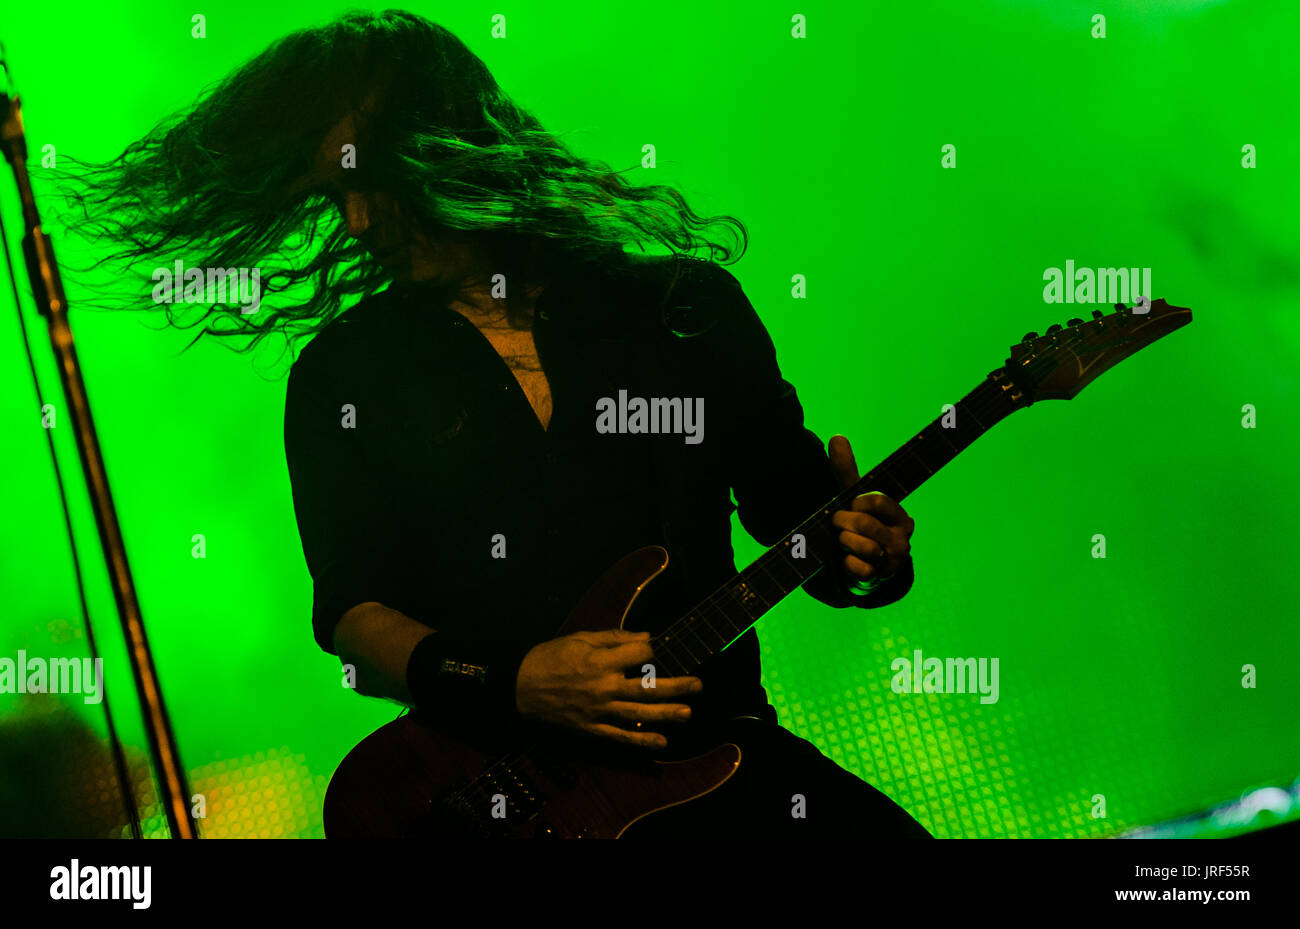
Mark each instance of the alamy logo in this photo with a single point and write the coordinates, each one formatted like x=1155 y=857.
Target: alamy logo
x=658 y=415
x=87 y=882
x=209 y=285
x=1105 y=285
x=52 y=676
x=954 y=676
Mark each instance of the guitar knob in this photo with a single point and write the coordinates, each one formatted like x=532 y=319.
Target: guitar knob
x=1097 y=314
x=1054 y=327
x=1029 y=337
x=1074 y=322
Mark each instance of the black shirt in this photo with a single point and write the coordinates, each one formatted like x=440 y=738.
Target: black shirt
x=446 y=461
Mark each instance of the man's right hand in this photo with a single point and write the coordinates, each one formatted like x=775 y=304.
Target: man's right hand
x=580 y=681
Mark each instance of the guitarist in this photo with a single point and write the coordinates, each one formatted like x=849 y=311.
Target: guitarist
x=453 y=493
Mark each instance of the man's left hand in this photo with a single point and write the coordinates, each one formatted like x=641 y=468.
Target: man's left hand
x=877 y=532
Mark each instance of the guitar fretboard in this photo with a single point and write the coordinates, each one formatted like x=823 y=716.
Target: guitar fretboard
x=719 y=619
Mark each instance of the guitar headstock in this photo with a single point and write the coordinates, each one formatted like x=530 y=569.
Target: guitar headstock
x=1065 y=359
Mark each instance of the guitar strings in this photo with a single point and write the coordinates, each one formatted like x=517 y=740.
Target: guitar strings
x=821 y=526
x=985 y=405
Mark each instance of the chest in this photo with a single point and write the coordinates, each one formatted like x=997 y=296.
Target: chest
x=518 y=350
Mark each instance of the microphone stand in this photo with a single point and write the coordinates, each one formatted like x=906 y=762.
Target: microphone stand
x=47 y=288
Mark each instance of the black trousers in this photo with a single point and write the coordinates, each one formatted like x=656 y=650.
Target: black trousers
x=784 y=789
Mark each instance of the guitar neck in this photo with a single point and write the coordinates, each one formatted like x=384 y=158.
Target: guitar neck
x=721 y=618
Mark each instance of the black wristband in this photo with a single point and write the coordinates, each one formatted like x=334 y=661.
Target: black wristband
x=459 y=681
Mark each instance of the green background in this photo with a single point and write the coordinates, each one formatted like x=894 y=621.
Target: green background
x=1119 y=677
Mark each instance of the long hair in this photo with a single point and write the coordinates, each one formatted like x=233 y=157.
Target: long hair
x=220 y=184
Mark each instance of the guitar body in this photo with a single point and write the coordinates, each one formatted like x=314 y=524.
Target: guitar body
x=410 y=778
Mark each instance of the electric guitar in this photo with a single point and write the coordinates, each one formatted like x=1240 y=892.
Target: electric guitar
x=413 y=778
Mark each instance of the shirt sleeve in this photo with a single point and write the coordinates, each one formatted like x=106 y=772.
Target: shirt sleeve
x=780 y=470
x=350 y=536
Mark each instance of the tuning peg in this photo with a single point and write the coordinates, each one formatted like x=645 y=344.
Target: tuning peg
x=1054 y=327
x=1029 y=337
x=1074 y=322
x=1097 y=314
